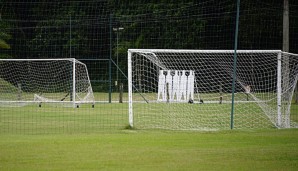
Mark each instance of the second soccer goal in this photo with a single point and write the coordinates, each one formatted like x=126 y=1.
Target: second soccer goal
x=63 y=82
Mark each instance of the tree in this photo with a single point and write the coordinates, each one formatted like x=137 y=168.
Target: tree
x=4 y=36
x=3 y=44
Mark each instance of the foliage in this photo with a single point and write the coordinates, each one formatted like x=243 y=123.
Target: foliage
x=4 y=36
x=162 y=25
x=84 y=29
x=3 y=44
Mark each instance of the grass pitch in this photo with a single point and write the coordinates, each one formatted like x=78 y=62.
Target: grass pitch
x=58 y=120
x=105 y=116
x=152 y=150
x=86 y=138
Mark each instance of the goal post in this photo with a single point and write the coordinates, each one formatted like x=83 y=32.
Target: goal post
x=279 y=90
x=162 y=95
x=63 y=82
x=130 y=84
x=74 y=83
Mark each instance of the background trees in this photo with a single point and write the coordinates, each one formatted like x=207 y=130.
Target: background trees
x=82 y=29
x=86 y=29
x=4 y=36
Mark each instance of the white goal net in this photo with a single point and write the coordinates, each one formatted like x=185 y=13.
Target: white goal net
x=63 y=82
x=192 y=89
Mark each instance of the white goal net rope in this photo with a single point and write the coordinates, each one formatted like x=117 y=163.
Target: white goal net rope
x=44 y=81
x=192 y=89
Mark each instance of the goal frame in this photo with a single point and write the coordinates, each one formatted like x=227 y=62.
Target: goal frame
x=74 y=61
x=131 y=86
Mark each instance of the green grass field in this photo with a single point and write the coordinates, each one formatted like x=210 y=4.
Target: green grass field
x=54 y=120
x=47 y=119
x=179 y=116
x=152 y=150
x=32 y=119
x=85 y=138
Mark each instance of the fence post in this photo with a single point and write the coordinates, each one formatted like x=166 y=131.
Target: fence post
x=121 y=93
x=110 y=60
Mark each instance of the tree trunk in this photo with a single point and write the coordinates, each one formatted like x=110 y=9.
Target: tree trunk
x=286 y=26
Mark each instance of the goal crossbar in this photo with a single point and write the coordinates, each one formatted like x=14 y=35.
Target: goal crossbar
x=201 y=51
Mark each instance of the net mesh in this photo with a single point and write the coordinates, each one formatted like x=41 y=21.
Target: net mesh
x=99 y=33
x=262 y=84
x=44 y=81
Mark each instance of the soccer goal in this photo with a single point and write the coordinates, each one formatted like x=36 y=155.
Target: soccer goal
x=63 y=82
x=192 y=89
